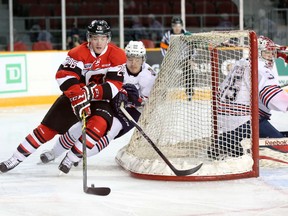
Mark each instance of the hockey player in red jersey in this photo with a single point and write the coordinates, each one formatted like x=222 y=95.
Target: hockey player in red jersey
x=87 y=85
x=139 y=79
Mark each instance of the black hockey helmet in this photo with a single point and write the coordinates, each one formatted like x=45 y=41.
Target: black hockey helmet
x=176 y=20
x=98 y=27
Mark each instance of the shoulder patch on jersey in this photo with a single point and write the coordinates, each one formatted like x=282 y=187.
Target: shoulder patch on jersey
x=152 y=71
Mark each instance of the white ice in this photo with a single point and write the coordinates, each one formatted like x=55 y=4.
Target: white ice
x=32 y=189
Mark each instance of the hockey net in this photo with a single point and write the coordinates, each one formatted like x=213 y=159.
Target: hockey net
x=181 y=114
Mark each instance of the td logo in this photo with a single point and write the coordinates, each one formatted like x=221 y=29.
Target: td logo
x=13 y=74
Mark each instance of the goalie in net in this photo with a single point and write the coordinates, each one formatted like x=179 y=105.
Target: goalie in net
x=210 y=126
x=234 y=89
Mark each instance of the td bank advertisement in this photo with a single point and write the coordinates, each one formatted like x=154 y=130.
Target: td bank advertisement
x=13 y=76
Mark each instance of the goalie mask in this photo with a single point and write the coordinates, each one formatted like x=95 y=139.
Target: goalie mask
x=98 y=27
x=135 y=49
x=266 y=50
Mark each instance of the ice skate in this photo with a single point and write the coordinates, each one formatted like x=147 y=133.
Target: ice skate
x=47 y=156
x=9 y=164
x=66 y=165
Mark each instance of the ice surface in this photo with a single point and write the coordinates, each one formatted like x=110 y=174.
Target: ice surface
x=34 y=189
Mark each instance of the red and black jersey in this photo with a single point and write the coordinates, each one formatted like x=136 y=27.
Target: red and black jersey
x=83 y=66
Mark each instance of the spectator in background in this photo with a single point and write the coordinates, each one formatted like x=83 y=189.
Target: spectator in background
x=36 y=34
x=225 y=23
x=74 y=38
x=155 y=29
x=265 y=26
x=44 y=35
x=138 y=30
x=176 y=29
x=129 y=5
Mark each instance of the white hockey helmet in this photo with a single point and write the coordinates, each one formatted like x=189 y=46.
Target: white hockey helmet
x=135 y=49
x=266 y=44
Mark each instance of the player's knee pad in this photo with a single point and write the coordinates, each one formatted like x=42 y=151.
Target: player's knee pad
x=96 y=128
x=43 y=133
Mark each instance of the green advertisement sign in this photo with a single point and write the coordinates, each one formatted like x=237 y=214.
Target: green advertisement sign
x=282 y=69
x=13 y=73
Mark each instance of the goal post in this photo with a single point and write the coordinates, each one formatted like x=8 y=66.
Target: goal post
x=182 y=114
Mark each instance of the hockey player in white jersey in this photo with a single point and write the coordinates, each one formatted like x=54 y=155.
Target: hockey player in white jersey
x=271 y=96
x=233 y=94
x=139 y=78
x=233 y=112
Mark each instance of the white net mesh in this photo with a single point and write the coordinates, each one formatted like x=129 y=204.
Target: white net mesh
x=181 y=116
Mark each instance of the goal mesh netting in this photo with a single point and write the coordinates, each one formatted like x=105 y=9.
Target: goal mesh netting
x=181 y=114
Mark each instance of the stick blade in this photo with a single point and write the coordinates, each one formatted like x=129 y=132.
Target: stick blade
x=187 y=172
x=100 y=191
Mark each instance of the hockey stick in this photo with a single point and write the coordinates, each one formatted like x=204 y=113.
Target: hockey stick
x=284 y=85
x=176 y=171
x=101 y=191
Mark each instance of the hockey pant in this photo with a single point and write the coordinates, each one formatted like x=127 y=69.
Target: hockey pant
x=119 y=127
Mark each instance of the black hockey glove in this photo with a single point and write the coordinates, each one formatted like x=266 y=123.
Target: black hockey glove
x=122 y=96
x=133 y=94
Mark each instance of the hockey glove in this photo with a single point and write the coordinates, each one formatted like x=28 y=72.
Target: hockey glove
x=80 y=100
x=282 y=53
x=122 y=96
x=133 y=95
x=96 y=91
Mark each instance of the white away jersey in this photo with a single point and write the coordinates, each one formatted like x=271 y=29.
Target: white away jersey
x=143 y=81
x=234 y=98
x=271 y=96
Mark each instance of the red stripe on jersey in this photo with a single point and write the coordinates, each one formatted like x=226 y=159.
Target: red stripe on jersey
x=76 y=151
x=32 y=141
x=68 y=139
x=63 y=73
x=100 y=145
x=24 y=149
x=264 y=114
x=89 y=144
x=233 y=109
x=269 y=95
x=92 y=134
x=103 y=141
x=38 y=135
x=66 y=144
x=268 y=92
